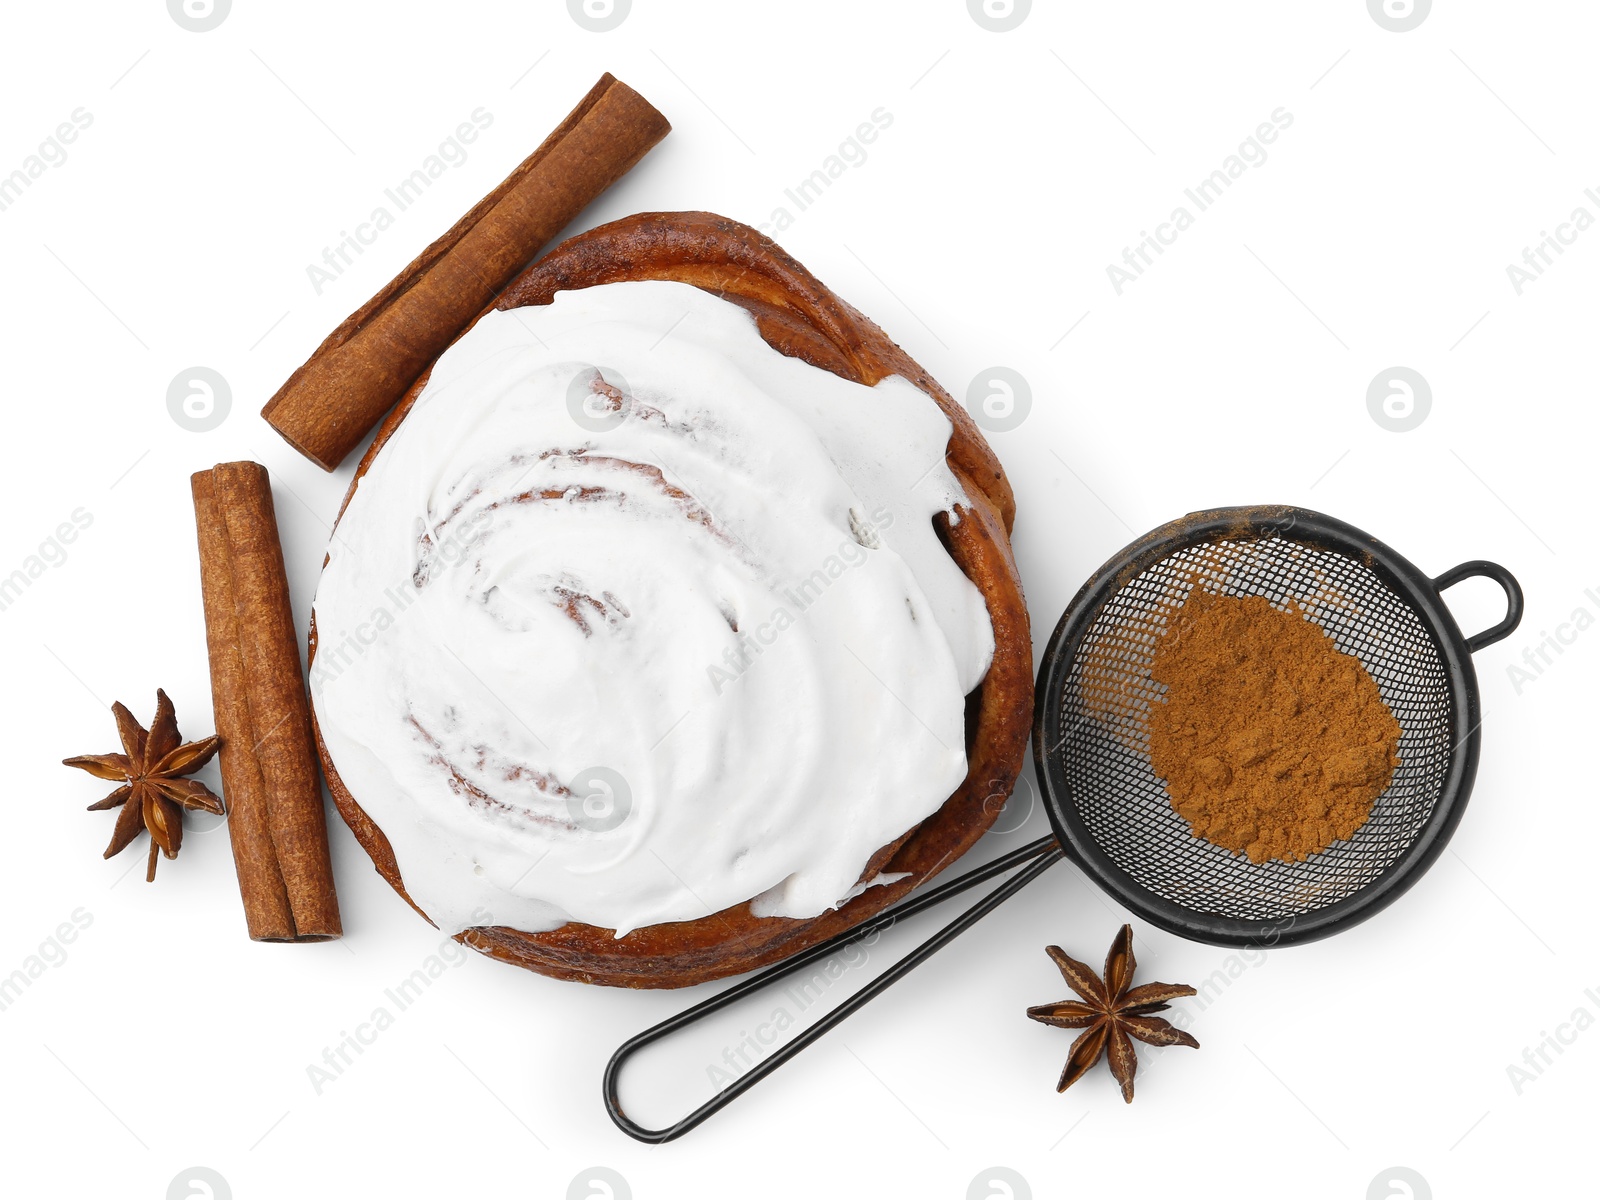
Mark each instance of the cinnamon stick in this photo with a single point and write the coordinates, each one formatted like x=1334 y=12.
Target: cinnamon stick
x=269 y=772
x=372 y=359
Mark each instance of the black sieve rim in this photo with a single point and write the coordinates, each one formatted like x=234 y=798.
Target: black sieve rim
x=1416 y=590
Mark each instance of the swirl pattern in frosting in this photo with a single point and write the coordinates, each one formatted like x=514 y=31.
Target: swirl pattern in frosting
x=634 y=618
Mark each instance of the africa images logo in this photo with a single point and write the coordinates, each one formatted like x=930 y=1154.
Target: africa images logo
x=1399 y=16
x=199 y=16
x=599 y=1183
x=599 y=16
x=199 y=399
x=999 y=16
x=1399 y=399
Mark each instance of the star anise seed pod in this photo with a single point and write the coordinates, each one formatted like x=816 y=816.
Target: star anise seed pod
x=1111 y=1013
x=153 y=792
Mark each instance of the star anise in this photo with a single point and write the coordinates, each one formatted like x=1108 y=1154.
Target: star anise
x=153 y=793
x=1110 y=1013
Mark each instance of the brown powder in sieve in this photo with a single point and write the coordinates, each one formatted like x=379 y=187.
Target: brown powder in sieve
x=1272 y=742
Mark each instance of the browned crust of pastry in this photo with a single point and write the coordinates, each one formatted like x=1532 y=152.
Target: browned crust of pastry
x=798 y=316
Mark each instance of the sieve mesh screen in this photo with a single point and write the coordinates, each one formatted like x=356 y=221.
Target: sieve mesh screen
x=1103 y=746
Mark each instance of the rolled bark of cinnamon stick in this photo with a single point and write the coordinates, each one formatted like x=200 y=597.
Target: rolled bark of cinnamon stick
x=372 y=359
x=269 y=773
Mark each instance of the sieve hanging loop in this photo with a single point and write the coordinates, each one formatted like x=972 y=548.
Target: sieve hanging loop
x=1480 y=568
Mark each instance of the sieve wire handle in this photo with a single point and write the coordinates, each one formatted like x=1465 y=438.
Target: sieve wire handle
x=1039 y=855
x=1482 y=568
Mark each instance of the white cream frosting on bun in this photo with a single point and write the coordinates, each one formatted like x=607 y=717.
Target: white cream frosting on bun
x=634 y=619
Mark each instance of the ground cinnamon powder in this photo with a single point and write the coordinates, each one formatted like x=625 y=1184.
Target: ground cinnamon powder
x=1273 y=743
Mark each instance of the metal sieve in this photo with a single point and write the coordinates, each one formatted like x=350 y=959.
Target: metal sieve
x=1109 y=810
x=1091 y=750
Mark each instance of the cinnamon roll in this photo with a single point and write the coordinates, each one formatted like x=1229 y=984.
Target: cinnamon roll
x=648 y=644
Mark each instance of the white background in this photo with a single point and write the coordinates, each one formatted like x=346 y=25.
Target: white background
x=978 y=231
